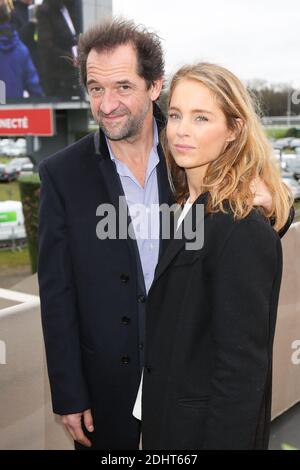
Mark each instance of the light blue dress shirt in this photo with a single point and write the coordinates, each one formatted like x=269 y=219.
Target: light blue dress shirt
x=143 y=207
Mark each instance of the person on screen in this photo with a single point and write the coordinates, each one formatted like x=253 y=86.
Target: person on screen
x=25 y=25
x=17 y=70
x=57 y=45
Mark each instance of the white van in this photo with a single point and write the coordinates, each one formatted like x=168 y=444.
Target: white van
x=11 y=221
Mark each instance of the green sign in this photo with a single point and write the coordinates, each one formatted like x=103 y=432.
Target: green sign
x=8 y=217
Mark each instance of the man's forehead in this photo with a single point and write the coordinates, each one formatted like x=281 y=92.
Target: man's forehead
x=112 y=63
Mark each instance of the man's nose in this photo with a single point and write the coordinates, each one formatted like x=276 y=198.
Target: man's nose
x=109 y=103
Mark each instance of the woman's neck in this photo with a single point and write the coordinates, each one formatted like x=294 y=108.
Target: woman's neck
x=195 y=178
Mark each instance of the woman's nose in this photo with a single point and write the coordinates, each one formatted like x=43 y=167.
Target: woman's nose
x=182 y=128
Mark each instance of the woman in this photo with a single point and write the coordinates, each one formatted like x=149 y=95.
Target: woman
x=211 y=311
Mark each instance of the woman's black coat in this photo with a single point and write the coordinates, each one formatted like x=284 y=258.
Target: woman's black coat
x=210 y=325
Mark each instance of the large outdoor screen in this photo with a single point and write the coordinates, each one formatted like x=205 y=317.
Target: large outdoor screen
x=38 y=45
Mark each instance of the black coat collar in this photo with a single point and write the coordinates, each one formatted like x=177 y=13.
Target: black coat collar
x=175 y=245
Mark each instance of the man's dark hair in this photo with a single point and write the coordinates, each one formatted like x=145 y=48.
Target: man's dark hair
x=115 y=32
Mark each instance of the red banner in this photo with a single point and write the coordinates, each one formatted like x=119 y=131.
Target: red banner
x=37 y=122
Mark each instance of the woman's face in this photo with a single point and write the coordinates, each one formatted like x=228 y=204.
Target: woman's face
x=197 y=131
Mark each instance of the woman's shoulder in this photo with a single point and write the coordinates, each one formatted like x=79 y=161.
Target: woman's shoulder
x=256 y=219
x=224 y=227
x=252 y=238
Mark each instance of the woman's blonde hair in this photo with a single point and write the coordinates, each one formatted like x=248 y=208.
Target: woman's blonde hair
x=230 y=177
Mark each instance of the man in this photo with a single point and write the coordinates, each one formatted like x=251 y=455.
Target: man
x=25 y=24
x=93 y=291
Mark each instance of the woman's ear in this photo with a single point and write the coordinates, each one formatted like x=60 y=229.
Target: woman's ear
x=234 y=133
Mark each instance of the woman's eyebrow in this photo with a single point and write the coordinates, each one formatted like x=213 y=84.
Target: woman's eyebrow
x=193 y=110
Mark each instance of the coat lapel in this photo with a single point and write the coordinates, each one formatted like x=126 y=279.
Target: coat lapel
x=115 y=190
x=164 y=190
x=177 y=244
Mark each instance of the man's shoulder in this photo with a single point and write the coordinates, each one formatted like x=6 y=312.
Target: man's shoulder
x=70 y=154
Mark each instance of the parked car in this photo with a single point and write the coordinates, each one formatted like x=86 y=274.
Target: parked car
x=13 y=148
x=282 y=143
x=16 y=164
x=27 y=169
x=293 y=166
x=293 y=185
x=7 y=174
x=297 y=150
x=295 y=143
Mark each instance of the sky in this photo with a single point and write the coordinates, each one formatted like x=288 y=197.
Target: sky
x=255 y=39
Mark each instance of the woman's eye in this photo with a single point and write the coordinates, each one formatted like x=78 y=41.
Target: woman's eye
x=201 y=118
x=173 y=116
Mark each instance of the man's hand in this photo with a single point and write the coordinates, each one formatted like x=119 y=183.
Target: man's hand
x=262 y=195
x=73 y=426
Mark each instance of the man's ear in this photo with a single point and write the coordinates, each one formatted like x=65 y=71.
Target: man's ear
x=156 y=89
x=234 y=133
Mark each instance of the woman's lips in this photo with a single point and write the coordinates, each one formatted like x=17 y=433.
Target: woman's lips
x=183 y=147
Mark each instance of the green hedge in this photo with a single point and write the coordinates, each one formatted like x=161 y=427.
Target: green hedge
x=293 y=132
x=30 y=192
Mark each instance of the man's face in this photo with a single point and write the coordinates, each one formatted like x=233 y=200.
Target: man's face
x=120 y=101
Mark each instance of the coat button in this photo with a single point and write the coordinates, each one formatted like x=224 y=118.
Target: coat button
x=141 y=299
x=148 y=369
x=141 y=346
x=125 y=320
x=125 y=360
x=124 y=278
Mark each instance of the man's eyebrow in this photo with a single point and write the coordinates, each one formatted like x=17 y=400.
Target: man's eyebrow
x=118 y=82
x=91 y=81
x=193 y=110
x=124 y=82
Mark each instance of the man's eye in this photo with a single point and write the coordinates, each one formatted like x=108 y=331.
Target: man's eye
x=95 y=90
x=124 y=87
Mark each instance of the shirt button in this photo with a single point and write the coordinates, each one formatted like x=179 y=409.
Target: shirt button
x=141 y=299
x=124 y=278
x=125 y=320
x=125 y=360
